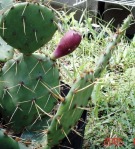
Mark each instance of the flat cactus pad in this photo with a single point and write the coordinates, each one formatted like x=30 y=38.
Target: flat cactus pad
x=27 y=26
x=27 y=92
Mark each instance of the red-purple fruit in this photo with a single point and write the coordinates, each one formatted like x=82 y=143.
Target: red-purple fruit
x=69 y=42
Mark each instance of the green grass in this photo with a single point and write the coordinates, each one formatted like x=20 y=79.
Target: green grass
x=111 y=112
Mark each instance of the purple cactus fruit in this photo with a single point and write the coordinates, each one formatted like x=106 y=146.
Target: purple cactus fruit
x=69 y=42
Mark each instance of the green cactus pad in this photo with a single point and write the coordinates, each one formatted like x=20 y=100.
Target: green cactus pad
x=30 y=88
x=6 y=51
x=27 y=26
x=105 y=57
x=7 y=142
x=70 y=111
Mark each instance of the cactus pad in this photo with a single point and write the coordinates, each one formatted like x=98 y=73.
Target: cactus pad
x=7 y=142
x=27 y=92
x=72 y=108
x=6 y=51
x=27 y=26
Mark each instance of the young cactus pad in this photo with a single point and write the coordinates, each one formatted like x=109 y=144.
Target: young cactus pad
x=29 y=90
x=27 y=26
x=70 y=111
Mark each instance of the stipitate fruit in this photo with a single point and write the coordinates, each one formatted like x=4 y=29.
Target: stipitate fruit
x=69 y=42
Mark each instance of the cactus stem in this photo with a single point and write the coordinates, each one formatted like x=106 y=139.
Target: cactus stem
x=41 y=14
x=110 y=47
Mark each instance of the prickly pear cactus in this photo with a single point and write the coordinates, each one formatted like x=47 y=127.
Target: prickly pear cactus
x=29 y=83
